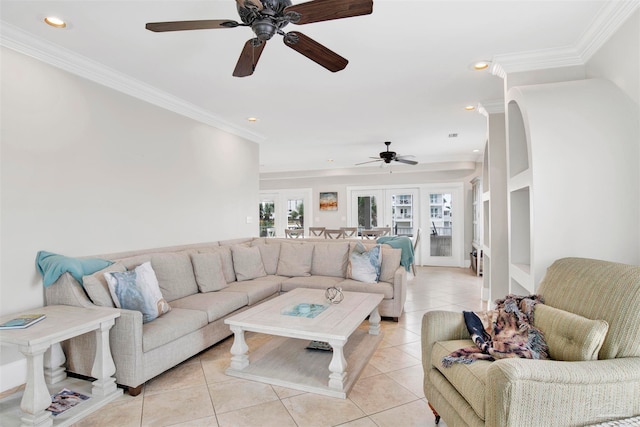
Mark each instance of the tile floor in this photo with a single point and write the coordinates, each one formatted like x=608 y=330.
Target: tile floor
x=388 y=393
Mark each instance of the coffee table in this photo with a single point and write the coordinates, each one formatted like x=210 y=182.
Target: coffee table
x=286 y=362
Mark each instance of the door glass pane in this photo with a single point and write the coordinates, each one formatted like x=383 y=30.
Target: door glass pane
x=367 y=212
x=440 y=209
x=402 y=214
x=295 y=213
x=267 y=228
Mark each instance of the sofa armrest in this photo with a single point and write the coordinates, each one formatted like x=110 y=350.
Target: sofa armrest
x=125 y=340
x=67 y=291
x=440 y=326
x=561 y=393
x=399 y=289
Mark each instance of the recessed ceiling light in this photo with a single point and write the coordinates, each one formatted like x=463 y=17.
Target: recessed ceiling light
x=476 y=151
x=481 y=65
x=470 y=107
x=55 y=22
x=252 y=119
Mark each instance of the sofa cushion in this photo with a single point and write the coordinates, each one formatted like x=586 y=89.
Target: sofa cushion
x=313 y=282
x=132 y=262
x=227 y=261
x=173 y=325
x=383 y=288
x=207 y=268
x=570 y=337
x=295 y=259
x=330 y=259
x=247 y=263
x=215 y=304
x=364 y=263
x=469 y=379
x=258 y=289
x=137 y=290
x=269 y=252
x=97 y=288
x=175 y=274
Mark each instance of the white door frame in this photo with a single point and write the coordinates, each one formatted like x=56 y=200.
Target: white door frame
x=280 y=198
x=457 y=220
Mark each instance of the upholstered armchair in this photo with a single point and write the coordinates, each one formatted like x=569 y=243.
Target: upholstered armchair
x=594 y=374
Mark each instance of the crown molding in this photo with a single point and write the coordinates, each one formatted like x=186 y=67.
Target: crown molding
x=57 y=56
x=611 y=17
x=535 y=60
x=491 y=107
x=607 y=21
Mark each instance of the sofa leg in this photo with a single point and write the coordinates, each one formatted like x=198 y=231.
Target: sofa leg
x=134 y=391
x=435 y=413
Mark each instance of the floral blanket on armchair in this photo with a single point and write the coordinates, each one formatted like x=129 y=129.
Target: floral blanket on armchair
x=506 y=331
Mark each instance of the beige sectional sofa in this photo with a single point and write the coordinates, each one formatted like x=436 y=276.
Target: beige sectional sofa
x=205 y=284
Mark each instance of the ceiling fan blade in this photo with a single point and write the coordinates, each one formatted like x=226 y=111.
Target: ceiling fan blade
x=408 y=162
x=372 y=161
x=325 y=10
x=315 y=51
x=159 y=27
x=250 y=4
x=249 y=57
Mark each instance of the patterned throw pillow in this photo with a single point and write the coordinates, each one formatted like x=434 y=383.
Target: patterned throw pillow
x=364 y=266
x=138 y=290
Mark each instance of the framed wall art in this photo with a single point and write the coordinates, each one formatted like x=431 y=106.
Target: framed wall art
x=329 y=201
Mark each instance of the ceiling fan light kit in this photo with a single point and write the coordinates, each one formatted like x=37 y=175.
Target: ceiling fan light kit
x=267 y=18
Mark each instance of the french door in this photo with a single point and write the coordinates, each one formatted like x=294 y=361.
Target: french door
x=442 y=241
x=389 y=207
x=284 y=209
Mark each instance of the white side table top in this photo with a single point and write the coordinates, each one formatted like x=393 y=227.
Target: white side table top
x=62 y=322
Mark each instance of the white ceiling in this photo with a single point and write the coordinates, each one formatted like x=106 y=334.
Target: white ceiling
x=408 y=80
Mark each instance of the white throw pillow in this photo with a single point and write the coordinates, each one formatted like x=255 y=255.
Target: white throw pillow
x=138 y=290
x=364 y=265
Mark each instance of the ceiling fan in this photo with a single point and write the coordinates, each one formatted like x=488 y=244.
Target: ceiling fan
x=267 y=18
x=389 y=156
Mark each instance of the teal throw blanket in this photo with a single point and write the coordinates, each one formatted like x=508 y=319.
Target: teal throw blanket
x=52 y=266
x=400 y=242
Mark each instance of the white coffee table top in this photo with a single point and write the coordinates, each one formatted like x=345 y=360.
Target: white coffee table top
x=338 y=321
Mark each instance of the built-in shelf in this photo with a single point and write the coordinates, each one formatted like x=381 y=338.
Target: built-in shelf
x=557 y=166
x=520 y=226
x=520 y=181
x=517 y=140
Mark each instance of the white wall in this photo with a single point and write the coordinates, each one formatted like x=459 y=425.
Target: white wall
x=618 y=60
x=88 y=170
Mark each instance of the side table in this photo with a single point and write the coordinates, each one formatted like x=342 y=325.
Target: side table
x=40 y=343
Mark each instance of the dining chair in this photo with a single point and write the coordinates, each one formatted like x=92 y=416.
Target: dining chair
x=370 y=234
x=293 y=233
x=349 y=232
x=415 y=246
x=333 y=234
x=386 y=231
x=316 y=231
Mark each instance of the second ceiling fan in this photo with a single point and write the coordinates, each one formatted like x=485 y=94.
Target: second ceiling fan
x=267 y=18
x=390 y=156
